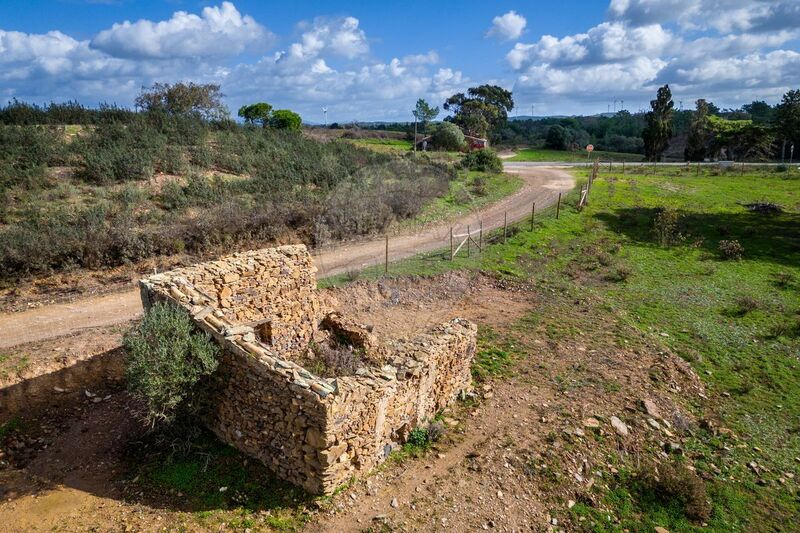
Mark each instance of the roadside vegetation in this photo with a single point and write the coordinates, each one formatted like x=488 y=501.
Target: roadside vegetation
x=649 y=252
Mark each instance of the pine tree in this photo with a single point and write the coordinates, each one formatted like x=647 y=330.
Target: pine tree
x=658 y=131
x=698 y=134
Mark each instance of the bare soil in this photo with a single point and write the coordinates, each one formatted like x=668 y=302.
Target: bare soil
x=513 y=458
x=58 y=305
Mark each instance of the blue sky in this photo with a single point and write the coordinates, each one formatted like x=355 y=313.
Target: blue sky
x=372 y=60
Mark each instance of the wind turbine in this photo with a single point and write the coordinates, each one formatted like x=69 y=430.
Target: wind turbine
x=325 y=113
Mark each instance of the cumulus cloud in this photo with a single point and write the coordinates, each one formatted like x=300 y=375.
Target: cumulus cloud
x=328 y=62
x=509 y=26
x=724 y=16
x=217 y=31
x=339 y=37
x=719 y=49
x=306 y=81
x=606 y=42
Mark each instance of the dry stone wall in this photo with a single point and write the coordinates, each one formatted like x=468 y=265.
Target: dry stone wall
x=262 y=307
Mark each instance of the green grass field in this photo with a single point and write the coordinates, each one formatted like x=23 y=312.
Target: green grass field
x=736 y=321
x=384 y=145
x=543 y=155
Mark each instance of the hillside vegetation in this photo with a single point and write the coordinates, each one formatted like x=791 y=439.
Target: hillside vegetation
x=125 y=188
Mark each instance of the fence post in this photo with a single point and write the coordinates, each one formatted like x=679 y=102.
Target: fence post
x=505 y=225
x=558 y=205
x=533 y=213
x=742 y=173
x=451 y=243
x=386 y=265
x=623 y=168
x=480 y=237
x=467 y=241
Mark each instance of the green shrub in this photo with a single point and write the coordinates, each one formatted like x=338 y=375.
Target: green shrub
x=418 y=437
x=673 y=482
x=423 y=437
x=448 y=136
x=25 y=151
x=167 y=357
x=479 y=186
x=483 y=160
x=172 y=195
x=121 y=152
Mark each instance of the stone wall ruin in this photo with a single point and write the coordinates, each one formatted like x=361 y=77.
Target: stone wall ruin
x=263 y=308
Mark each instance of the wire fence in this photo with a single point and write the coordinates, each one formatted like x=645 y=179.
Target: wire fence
x=470 y=240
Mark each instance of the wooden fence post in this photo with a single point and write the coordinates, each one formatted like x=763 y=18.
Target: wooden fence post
x=451 y=243
x=505 y=225
x=467 y=241
x=558 y=205
x=386 y=265
x=480 y=237
x=533 y=213
x=623 y=168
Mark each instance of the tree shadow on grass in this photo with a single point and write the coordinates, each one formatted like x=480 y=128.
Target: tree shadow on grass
x=771 y=238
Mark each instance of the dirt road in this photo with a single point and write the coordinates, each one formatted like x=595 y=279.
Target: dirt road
x=542 y=185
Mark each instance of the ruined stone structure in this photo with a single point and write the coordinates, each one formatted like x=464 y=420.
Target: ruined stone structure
x=262 y=307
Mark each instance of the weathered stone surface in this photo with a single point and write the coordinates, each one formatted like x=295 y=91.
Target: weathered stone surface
x=263 y=309
x=619 y=426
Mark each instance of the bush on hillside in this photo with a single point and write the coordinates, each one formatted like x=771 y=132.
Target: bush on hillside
x=447 y=136
x=167 y=357
x=115 y=152
x=673 y=482
x=483 y=160
x=25 y=151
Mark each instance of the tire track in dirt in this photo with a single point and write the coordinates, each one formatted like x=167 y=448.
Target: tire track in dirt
x=542 y=185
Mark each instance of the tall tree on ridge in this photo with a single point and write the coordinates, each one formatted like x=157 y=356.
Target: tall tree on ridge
x=657 y=133
x=698 y=134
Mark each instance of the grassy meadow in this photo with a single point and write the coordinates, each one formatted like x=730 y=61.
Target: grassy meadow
x=578 y=156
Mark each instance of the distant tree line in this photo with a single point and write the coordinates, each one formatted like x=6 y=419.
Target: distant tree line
x=756 y=131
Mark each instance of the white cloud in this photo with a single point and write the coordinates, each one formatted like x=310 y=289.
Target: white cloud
x=328 y=63
x=723 y=16
x=508 y=26
x=217 y=31
x=719 y=49
x=606 y=42
x=338 y=37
